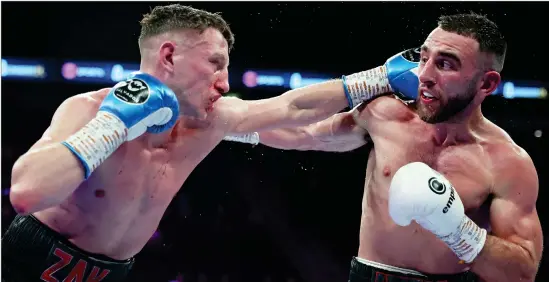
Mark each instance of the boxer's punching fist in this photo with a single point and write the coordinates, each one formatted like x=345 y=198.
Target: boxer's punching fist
x=140 y=103
x=420 y=193
x=398 y=75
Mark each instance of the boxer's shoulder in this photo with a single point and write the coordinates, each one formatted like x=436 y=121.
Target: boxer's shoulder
x=511 y=164
x=385 y=108
x=99 y=94
x=499 y=143
x=509 y=159
x=92 y=99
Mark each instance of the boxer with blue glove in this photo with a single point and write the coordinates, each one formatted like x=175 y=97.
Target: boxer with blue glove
x=448 y=195
x=137 y=105
x=398 y=75
x=132 y=107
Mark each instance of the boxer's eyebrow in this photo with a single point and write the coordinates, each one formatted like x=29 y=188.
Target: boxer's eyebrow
x=450 y=55
x=446 y=54
x=221 y=59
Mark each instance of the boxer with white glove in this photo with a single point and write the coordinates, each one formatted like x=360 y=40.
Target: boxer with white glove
x=398 y=75
x=139 y=104
x=421 y=194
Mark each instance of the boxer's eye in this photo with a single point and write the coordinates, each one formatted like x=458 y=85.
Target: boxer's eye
x=445 y=65
x=217 y=63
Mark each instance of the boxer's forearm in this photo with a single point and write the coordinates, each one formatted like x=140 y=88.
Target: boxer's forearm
x=502 y=261
x=287 y=139
x=298 y=107
x=324 y=99
x=44 y=177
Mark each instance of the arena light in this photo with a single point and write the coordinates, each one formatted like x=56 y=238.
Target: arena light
x=109 y=72
x=23 y=68
x=253 y=78
x=83 y=71
x=99 y=72
x=298 y=81
x=120 y=72
x=511 y=91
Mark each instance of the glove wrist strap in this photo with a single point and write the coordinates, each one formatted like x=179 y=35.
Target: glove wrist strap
x=467 y=241
x=251 y=138
x=364 y=85
x=97 y=140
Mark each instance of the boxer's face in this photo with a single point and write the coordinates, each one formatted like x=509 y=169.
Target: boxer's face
x=449 y=71
x=200 y=68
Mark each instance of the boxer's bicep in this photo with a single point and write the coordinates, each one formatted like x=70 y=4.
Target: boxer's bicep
x=297 y=107
x=340 y=133
x=249 y=116
x=513 y=214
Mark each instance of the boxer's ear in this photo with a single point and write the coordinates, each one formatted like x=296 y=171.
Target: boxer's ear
x=489 y=82
x=166 y=55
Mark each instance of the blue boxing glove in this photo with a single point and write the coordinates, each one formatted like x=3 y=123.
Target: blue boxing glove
x=143 y=103
x=397 y=75
x=137 y=105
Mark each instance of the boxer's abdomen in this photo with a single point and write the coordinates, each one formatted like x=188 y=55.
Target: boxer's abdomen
x=412 y=247
x=118 y=209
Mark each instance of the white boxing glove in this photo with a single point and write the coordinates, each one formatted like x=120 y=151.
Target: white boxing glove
x=419 y=193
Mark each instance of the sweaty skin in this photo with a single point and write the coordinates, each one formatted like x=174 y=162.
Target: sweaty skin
x=467 y=167
x=495 y=178
x=481 y=169
x=116 y=211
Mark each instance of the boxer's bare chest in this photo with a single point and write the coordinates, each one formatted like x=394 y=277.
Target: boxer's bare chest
x=120 y=206
x=466 y=166
x=149 y=176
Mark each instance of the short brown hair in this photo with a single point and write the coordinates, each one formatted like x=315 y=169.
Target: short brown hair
x=172 y=17
x=480 y=28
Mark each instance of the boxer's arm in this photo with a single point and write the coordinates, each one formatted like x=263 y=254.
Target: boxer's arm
x=296 y=107
x=338 y=133
x=49 y=172
x=513 y=251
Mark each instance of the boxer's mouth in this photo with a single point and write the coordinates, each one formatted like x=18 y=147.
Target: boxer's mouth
x=215 y=98
x=427 y=97
x=211 y=102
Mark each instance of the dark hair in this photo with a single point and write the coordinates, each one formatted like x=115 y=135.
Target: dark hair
x=480 y=28
x=172 y=17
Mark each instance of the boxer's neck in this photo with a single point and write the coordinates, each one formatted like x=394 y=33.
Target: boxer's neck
x=459 y=129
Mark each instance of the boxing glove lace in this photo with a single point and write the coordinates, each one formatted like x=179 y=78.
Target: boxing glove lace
x=397 y=75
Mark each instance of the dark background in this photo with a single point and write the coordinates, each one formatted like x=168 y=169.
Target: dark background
x=256 y=213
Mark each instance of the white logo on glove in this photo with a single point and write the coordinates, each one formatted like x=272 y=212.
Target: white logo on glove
x=450 y=201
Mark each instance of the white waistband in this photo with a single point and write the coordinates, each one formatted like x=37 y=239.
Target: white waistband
x=389 y=268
